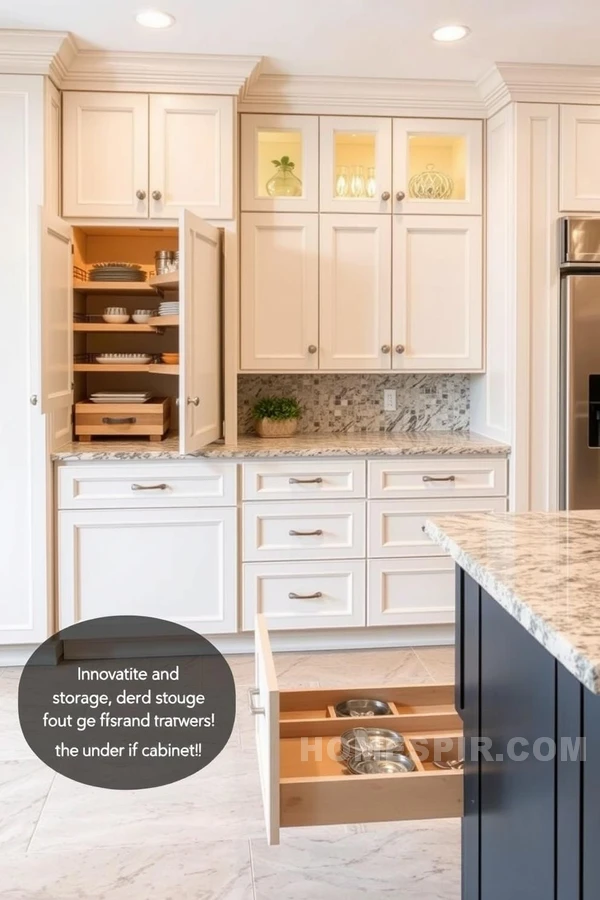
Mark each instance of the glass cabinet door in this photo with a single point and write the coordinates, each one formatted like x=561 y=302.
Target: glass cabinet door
x=280 y=163
x=355 y=164
x=437 y=166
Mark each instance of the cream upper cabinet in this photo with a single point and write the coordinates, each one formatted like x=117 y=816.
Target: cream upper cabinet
x=280 y=163
x=580 y=152
x=105 y=155
x=355 y=164
x=52 y=153
x=147 y=156
x=438 y=166
x=437 y=293
x=191 y=156
x=280 y=291
x=355 y=291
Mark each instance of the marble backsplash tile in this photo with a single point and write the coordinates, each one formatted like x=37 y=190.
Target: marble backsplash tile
x=354 y=403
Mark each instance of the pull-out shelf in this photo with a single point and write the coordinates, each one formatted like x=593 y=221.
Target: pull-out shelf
x=303 y=780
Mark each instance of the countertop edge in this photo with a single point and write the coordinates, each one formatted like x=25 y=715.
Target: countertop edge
x=586 y=672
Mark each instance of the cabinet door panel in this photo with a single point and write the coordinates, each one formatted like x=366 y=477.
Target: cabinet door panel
x=191 y=156
x=56 y=331
x=280 y=291
x=356 y=164
x=355 y=296
x=173 y=564
x=437 y=293
x=410 y=591
x=105 y=154
x=580 y=151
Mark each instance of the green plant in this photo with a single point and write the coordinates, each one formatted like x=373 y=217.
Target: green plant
x=276 y=408
x=283 y=163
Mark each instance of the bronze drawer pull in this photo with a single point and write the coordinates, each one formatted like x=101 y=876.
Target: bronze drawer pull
x=110 y=420
x=306 y=481
x=149 y=487
x=293 y=596
x=294 y=533
x=444 y=478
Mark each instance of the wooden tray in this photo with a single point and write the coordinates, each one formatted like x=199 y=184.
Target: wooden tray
x=151 y=419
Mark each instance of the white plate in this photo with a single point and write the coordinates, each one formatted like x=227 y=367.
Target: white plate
x=125 y=361
x=121 y=400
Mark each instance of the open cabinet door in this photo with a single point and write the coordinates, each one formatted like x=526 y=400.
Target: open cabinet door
x=56 y=314
x=200 y=416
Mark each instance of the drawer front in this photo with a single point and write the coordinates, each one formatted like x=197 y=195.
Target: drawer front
x=117 y=485
x=439 y=477
x=411 y=591
x=304 y=529
x=304 y=478
x=304 y=595
x=395 y=529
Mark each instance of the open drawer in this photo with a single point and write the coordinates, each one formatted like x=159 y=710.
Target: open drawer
x=304 y=782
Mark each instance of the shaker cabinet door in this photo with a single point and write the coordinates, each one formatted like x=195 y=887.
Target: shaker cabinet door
x=280 y=291
x=191 y=156
x=105 y=155
x=356 y=164
x=579 y=153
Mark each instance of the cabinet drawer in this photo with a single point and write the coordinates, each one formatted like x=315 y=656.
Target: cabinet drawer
x=415 y=591
x=301 y=478
x=440 y=477
x=303 y=780
x=305 y=594
x=120 y=486
x=395 y=529
x=304 y=529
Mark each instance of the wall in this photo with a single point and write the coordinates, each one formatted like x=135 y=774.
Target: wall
x=347 y=403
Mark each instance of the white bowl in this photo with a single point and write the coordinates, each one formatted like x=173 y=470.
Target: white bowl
x=116 y=319
x=141 y=318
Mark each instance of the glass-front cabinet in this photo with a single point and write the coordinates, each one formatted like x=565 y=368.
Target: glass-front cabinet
x=280 y=162
x=356 y=164
x=437 y=166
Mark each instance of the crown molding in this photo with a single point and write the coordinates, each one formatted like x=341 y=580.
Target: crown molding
x=361 y=96
x=36 y=53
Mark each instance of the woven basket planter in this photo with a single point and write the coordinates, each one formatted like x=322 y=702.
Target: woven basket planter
x=276 y=428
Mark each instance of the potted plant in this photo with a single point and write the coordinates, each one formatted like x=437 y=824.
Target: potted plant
x=276 y=416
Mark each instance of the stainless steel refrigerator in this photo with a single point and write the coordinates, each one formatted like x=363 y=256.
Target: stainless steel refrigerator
x=580 y=364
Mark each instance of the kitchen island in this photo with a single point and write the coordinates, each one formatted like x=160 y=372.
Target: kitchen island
x=527 y=688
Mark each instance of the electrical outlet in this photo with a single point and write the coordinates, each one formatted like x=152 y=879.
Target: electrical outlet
x=389 y=400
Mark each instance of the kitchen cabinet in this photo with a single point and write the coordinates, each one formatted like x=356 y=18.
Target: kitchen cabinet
x=280 y=291
x=52 y=145
x=164 y=562
x=355 y=292
x=355 y=164
x=438 y=166
x=410 y=591
x=267 y=139
x=142 y=156
x=437 y=297
x=579 y=153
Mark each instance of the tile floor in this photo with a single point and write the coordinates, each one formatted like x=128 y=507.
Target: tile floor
x=202 y=838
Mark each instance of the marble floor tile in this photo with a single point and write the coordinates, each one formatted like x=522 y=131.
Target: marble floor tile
x=24 y=787
x=12 y=743
x=215 y=871
x=340 y=668
x=412 y=859
x=221 y=802
x=439 y=662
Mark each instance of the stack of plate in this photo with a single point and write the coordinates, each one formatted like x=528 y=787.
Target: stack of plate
x=169 y=308
x=130 y=359
x=116 y=271
x=121 y=397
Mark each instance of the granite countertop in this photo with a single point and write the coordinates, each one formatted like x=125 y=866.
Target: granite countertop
x=543 y=569
x=409 y=443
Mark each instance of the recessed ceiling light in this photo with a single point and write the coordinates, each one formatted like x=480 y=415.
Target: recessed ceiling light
x=153 y=18
x=449 y=33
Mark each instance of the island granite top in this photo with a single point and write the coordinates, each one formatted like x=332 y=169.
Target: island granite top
x=543 y=569
x=408 y=443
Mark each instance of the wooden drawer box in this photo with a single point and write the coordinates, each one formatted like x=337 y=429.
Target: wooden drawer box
x=311 y=479
x=304 y=529
x=321 y=594
x=297 y=738
x=439 y=477
x=151 y=419
x=122 y=485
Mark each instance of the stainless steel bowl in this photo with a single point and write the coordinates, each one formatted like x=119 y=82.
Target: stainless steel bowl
x=381 y=764
x=379 y=740
x=356 y=708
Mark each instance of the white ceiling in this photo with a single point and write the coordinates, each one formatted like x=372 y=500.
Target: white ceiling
x=368 y=38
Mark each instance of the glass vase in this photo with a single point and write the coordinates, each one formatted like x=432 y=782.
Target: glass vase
x=284 y=183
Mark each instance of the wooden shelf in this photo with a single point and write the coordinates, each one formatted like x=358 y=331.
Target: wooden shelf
x=94 y=327
x=139 y=288
x=164 y=321
x=150 y=368
x=168 y=282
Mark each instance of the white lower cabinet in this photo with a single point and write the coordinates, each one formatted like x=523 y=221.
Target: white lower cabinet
x=176 y=564
x=320 y=594
x=412 y=591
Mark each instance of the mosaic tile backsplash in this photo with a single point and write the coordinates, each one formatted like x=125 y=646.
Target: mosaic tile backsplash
x=354 y=403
